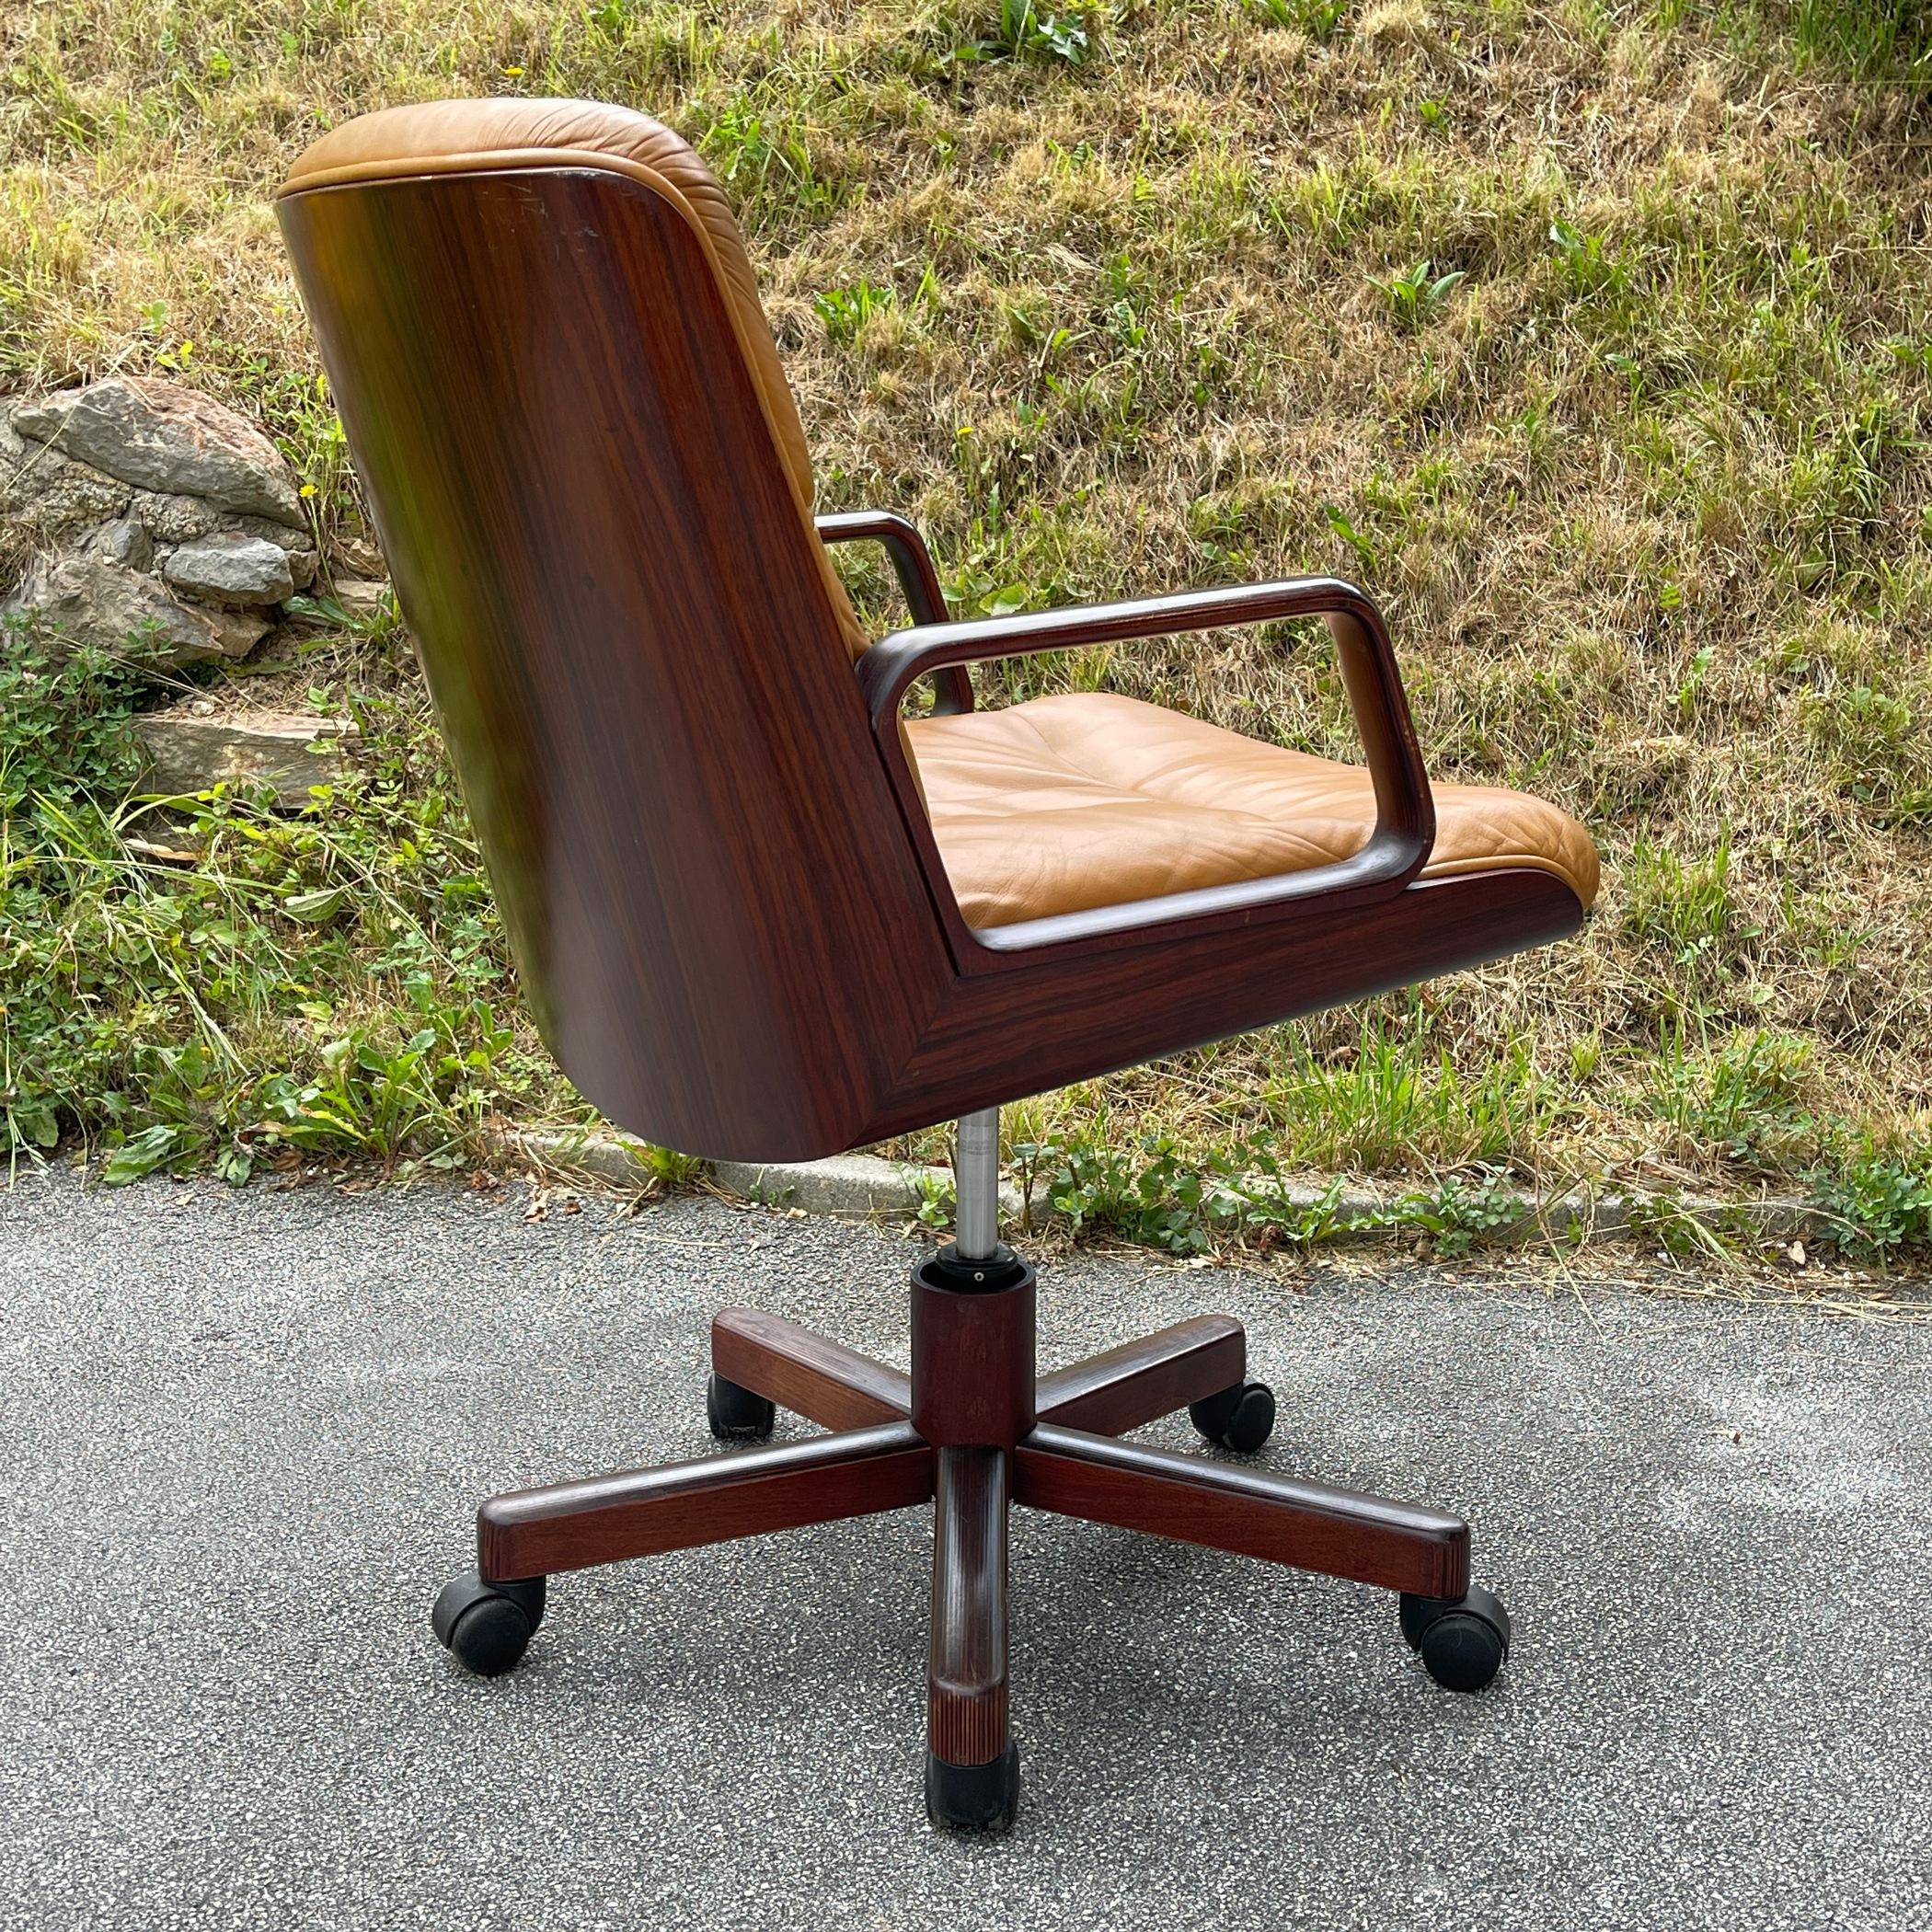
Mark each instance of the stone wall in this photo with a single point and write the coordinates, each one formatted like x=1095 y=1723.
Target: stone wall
x=135 y=507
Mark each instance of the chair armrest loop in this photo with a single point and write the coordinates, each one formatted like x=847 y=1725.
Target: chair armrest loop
x=918 y=582
x=1405 y=808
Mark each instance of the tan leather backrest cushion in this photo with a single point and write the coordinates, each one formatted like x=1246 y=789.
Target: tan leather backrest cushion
x=472 y=136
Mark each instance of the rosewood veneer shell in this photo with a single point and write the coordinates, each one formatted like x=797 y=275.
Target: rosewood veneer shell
x=728 y=911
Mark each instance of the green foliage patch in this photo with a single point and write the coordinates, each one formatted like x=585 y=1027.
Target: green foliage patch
x=215 y=980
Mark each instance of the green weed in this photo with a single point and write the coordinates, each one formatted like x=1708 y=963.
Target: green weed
x=1585 y=266
x=1316 y=19
x=1417 y=293
x=1461 y=1211
x=845 y=311
x=939 y=1201
x=1875 y=1200
x=1684 y=907
x=321 y=981
x=1396 y=1094
x=66 y=729
x=1026 y=29
x=1748 y=1103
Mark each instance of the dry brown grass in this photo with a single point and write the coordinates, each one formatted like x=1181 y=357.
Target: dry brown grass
x=1645 y=494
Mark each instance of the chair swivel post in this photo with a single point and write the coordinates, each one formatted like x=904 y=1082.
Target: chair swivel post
x=976 y=1184
x=971 y=1303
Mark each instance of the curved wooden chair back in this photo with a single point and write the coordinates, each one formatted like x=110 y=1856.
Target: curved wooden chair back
x=729 y=907
x=641 y=660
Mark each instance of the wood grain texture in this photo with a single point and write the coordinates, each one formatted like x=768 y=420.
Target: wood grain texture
x=1140 y=1381
x=1088 y=1007
x=807 y=1372
x=1252 y=1513
x=966 y=1659
x=635 y=661
x=639 y=1513
x=728 y=911
x=973 y=1362
x=918 y=583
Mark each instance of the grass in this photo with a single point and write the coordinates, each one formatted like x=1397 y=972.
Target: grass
x=232 y=983
x=1596 y=343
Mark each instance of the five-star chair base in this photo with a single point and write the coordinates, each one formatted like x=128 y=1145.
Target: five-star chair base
x=971 y=1430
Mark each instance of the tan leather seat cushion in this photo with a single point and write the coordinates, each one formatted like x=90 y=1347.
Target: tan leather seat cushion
x=1065 y=803
x=475 y=136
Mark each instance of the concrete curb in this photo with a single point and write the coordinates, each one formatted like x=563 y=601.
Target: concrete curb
x=849 y=1187
x=861 y=1187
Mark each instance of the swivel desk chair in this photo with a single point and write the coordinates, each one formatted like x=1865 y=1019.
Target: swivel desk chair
x=760 y=915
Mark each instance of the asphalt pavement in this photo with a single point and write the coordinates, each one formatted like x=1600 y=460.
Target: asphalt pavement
x=243 y=1435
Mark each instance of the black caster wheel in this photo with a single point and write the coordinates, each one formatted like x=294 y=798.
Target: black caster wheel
x=1463 y=1641
x=736 y=1415
x=1241 y=1418
x=973 y=1797
x=488 y=1627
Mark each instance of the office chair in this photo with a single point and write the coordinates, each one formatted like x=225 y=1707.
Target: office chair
x=760 y=913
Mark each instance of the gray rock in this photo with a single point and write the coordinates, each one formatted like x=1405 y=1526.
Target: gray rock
x=291 y=540
x=122 y=541
x=231 y=568
x=358 y=555
x=92 y=601
x=49 y=498
x=190 y=748
x=236 y=633
x=160 y=436
x=297 y=545
x=42 y=420
x=173 y=519
x=359 y=597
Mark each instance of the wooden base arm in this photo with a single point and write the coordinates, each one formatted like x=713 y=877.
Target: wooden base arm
x=1142 y=1380
x=639 y=1513
x=1108 y=1394
x=966 y=1661
x=814 y=1377
x=1251 y=1512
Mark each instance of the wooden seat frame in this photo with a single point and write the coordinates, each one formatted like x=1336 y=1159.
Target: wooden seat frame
x=728 y=908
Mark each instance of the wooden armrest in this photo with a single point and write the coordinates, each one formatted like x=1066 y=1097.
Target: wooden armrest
x=912 y=565
x=1405 y=808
